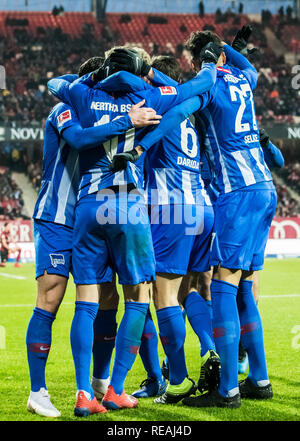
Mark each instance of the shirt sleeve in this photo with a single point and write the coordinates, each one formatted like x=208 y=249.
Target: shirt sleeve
x=160 y=79
x=273 y=156
x=123 y=82
x=163 y=98
x=83 y=139
x=238 y=60
x=172 y=118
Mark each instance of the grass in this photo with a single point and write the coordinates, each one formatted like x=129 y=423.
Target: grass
x=280 y=317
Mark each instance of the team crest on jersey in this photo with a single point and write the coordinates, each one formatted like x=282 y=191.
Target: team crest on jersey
x=168 y=90
x=57 y=259
x=64 y=117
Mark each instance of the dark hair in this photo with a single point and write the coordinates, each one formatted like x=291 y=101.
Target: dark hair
x=198 y=40
x=167 y=65
x=90 y=65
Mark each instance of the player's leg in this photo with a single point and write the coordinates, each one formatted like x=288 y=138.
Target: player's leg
x=105 y=330
x=155 y=384
x=224 y=287
x=127 y=345
x=4 y=257
x=18 y=251
x=53 y=251
x=199 y=316
x=172 y=335
x=131 y=252
x=257 y=384
x=169 y=239
x=90 y=258
x=196 y=307
x=243 y=356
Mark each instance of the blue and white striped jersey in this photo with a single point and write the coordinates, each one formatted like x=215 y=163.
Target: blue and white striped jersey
x=233 y=134
x=57 y=196
x=96 y=107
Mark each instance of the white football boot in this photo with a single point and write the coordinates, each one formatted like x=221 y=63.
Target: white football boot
x=100 y=387
x=39 y=402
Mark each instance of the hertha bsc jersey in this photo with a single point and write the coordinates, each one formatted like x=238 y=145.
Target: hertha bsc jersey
x=95 y=107
x=57 y=196
x=232 y=130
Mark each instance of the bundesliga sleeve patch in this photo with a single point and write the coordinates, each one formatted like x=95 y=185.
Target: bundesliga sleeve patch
x=64 y=117
x=168 y=90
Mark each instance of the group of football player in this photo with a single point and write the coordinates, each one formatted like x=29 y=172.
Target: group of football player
x=165 y=186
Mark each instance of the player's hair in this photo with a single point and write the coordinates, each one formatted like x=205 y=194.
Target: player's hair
x=197 y=40
x=167 y=65
x=142 y=53
x=90 y=65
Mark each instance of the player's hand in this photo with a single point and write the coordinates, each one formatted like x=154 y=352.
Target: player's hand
x=143 y=116
x=264 y=138
x=123 y=59
x=211 y=53
x=99 y=74
x=241 y=39
x=120 y=160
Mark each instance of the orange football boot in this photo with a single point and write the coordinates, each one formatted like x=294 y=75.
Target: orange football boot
x=113 y=401
x=85 y=407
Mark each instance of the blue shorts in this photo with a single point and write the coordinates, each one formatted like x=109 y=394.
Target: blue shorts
x=242 y=222
x=200 y=254
x=175 y=229
x=112 y=234
x=53 y=248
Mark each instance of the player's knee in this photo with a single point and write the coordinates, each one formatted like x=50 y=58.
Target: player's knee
x=109 y=296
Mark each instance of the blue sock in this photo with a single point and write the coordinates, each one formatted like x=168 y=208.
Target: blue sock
x=172 y=334
x=209 y=304
x=82 y=336
x=149 y=350
x=226 y=329
x=105 y=330
x=128 y=342
x=199 y=318
x=38 y=341
x=184 y=314
x=251 y=332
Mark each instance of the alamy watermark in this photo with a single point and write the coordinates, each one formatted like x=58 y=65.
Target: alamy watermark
x=296 y=77
x=2 y=77
x=296 y=340
x=2 y=337
x=170 y=208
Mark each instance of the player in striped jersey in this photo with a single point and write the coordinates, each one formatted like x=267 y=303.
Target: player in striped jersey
x=131 y=259
x=243 y=215
x=173 y=182
x=53 y=227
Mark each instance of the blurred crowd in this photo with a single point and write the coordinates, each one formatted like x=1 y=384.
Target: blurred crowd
x=30 y=61
x=11 y=196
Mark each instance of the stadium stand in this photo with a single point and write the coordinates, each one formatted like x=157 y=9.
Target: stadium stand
x=39 y=45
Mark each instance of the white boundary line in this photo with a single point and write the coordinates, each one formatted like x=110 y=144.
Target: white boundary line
x=11 y=276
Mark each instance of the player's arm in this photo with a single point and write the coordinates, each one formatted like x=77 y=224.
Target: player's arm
x=158 y=78
x=123 y=82
x=85 y=138
x=238 y=60
x=272 y=154
x=171 y=119
x=59 y=87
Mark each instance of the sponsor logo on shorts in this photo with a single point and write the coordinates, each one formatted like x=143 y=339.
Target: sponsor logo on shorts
x=57 y=259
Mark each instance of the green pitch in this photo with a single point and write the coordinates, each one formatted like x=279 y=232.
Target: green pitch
x=280 y=309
